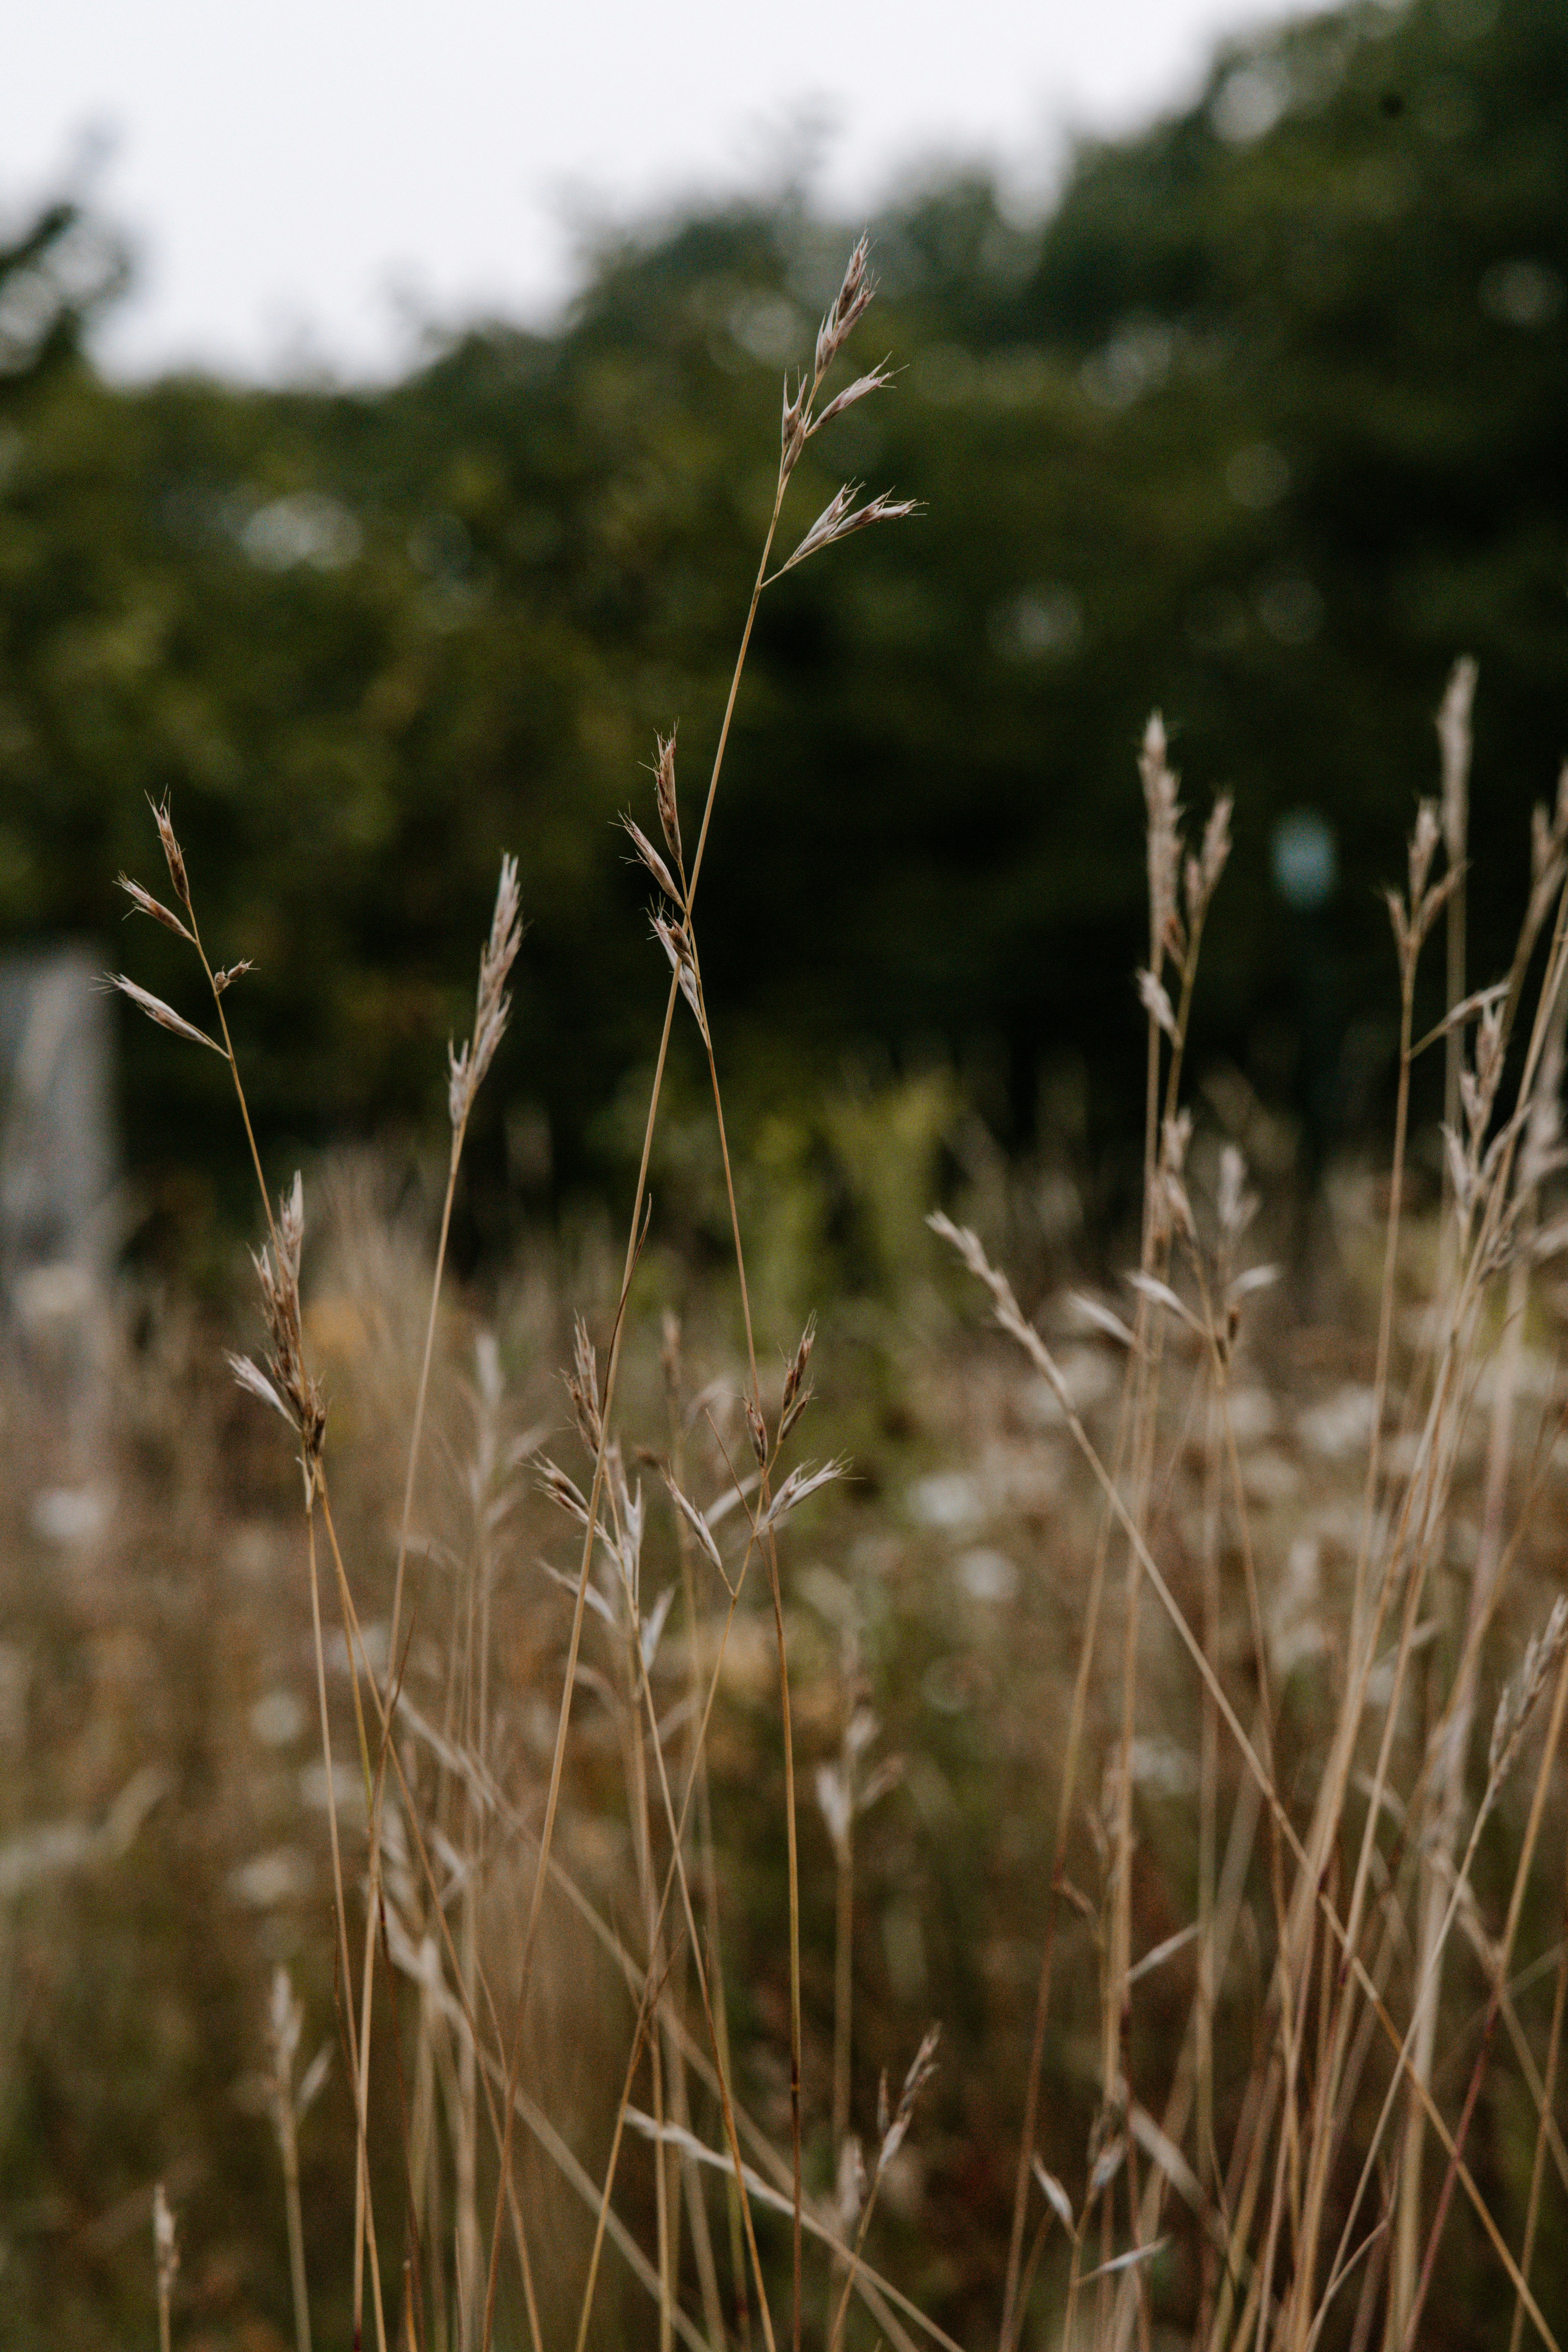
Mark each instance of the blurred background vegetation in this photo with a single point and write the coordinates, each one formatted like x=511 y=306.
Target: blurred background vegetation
x=1263 y=424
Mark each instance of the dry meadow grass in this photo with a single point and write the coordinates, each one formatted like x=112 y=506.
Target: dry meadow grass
x=496 y=1855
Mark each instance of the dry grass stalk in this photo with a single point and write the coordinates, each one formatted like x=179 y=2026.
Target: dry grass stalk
x=291 y=2103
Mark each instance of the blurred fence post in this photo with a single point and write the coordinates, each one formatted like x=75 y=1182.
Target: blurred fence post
x=56 y=1178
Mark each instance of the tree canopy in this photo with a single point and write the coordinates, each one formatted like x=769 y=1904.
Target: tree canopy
x=1262 y=425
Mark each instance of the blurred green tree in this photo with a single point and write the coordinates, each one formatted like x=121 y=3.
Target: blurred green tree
x=1262 y=425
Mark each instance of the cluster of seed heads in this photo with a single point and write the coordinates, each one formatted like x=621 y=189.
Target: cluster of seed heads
x=676 y=940
x=1174 y=876
x=1414 y=915
x=144 y=903
x=287 y=1385
x=802 y=418
x=583 y=1389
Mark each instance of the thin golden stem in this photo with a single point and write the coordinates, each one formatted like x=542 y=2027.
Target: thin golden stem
x=558 y=1756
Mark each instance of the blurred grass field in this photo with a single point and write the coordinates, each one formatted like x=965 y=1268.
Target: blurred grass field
x=165 y=1846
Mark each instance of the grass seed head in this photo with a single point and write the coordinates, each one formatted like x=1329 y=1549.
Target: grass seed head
x=841 y=518
x=1157 y=1004
x=563 y=1491
x=796 y=1389
x=1235 y=1205
x=651 y=858
x=1522 y=1694
x=1453 y=746
x=290 y=1381
x=165 y=2246
x=285 y=2023
x=1202 y=872
x=173 y=856
x=145 y=904
x=163 y=1014
x=664 y=792
x=922 y=2066
x=1423 y=839
x=851 y=2187
x=876 y=380
x=583 y=1388
x=850 y=306
x=1163 y=820
x=491 y=1004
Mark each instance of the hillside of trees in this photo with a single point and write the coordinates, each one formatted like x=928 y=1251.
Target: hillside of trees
x=1263 y=425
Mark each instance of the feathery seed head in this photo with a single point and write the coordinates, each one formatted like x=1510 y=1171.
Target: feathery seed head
x=795 y=424
x=1522 y=1694
x=674 y=939
x=583 y=1388
x=1157 y=1004
x=1237 y=1205
x=853 y=301
x=664 y=789
x=922 y=2068
x=1424 y=842
x=285 y=2022
x=1163 y=817
x=851 y=2187
x=651 y=858
x=840 y=519
x=1216 y=854
x=757 y=1430
x=563 y=1490
x=290 y=1389
x=165 y=2246
x=163 y=1014
x=173 y=855
x=145 y=904
x=796 y=1391
x=291 y=1233
x=1453 y=746
x=876 y=380
x=491 y=1004
x=836 y=1805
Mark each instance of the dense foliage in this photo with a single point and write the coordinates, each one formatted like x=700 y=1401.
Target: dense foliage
x=1263 y=424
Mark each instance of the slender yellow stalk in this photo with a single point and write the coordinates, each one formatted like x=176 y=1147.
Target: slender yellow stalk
x=558 y=1756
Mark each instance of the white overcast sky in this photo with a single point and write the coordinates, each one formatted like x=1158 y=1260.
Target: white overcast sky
x=303 y=181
